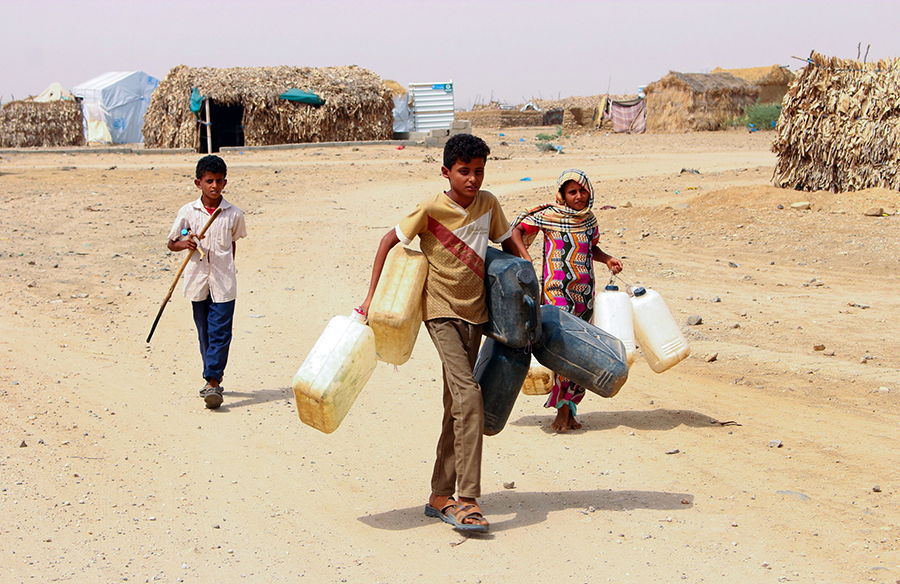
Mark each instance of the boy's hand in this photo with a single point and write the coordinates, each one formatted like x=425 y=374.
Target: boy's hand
x=614 y=265
x=182 y=244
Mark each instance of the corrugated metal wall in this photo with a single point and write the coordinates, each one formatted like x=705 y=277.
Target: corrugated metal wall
x=432 y=105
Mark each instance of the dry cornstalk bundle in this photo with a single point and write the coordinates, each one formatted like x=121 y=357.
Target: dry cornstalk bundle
x=685 y=102
x=840 y=126
x=357 y=105
x=772 y=81
x=28 y=123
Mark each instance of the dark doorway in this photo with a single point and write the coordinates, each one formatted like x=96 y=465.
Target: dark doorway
x=227 y=127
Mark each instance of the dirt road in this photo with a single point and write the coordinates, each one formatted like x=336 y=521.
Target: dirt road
x=777 y=461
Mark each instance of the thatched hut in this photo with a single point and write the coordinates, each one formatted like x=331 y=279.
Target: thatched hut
x=772 y=81
x=839 y=128
x=246 y=107
x=686 y=102
x=28 y=123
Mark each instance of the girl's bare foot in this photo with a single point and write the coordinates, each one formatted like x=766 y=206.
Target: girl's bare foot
x=561 y=423
x=573 y=423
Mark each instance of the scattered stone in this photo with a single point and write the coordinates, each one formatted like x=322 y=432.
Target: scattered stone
x=801 y=206
x=216 y=526
x=884 y=389
x=31 y=262
x=32 y=284
x=694 y=320
x=736 y=325
x=818 y=347
x=711 y=357
x=23 y=445
x=876 y=489
x=715 y=299
x=626 y=205
x=779 y=206
x=732 y=265
x=874 y=212
x=685 y=502
x=689 y=298
x=775 y=444
x=829 y=353
x=675 y=451
x=743 y=313
x=509 y=485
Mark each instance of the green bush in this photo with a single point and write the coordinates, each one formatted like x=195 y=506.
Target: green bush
x=762 y=115
x=542 y=137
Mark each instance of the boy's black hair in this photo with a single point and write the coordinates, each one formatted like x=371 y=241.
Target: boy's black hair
x=464 y=147
x=211 y=163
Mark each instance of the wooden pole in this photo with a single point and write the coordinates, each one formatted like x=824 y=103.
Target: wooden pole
x=178 y=275
x=208 y=129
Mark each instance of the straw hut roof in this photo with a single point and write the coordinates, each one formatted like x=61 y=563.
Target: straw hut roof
x=357 y=105
x=27 y=123
x=772 y=75
x=685 y=102
x=839 y=128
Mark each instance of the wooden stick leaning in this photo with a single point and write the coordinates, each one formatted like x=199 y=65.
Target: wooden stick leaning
x=178 y=275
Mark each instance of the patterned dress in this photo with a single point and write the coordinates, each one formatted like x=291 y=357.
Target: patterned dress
x=568 y=282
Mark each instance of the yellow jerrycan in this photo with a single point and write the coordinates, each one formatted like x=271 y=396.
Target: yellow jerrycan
x=395 y=313
x=334 y=372
x=539 y=380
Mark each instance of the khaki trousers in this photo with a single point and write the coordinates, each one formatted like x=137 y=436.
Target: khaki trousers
x=459 y=448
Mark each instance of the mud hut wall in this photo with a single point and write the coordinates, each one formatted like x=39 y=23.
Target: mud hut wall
x=501 y=118
x=26 y=124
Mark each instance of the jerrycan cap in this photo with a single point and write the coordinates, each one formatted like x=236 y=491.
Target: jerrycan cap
x=525 y=277
x=612 y=288
x=639 y=291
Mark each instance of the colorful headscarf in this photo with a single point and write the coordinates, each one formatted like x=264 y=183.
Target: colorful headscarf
x=559 y=216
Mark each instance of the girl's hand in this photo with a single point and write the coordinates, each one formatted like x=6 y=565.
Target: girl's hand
x=614 y=265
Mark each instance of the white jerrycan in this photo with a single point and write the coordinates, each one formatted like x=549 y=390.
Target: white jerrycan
x=334 y=372
x=395 y=313
x=656 y=331
x=612 y=313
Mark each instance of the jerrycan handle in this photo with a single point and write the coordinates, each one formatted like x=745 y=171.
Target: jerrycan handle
x=532 y=321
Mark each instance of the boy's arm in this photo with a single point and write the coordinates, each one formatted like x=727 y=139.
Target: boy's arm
x=614 y=264
x=181 y=244
x=389 y=240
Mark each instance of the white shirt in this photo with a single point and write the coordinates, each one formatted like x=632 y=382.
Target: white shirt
x=214 y=275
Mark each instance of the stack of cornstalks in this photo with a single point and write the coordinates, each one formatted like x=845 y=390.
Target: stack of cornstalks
x=840 y=126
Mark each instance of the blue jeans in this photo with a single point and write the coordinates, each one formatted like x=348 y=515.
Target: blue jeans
x=213 y=320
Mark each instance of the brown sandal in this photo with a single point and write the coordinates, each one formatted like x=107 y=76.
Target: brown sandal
x=469 y=512
x=445 y=513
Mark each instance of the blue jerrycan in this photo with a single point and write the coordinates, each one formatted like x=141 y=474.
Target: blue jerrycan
x=581 y=352
x=500 y=371
x=512 y=296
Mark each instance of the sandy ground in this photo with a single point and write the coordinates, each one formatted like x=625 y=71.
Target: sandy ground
x=112 y=470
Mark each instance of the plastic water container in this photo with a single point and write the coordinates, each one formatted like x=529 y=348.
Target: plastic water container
x=612 y=313
x=395 y=313
x=539 y=380
x=500 y=371
x=581 y=352
x=657 y=333
x=334 y=372
x=512 y=296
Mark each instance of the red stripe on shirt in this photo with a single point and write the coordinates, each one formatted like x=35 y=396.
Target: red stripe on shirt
x=457 y=247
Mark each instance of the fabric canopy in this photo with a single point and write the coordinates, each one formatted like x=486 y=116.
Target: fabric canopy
x=301 y=96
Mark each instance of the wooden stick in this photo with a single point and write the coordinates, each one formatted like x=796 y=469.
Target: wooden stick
x=208 y=129
x=178 y=275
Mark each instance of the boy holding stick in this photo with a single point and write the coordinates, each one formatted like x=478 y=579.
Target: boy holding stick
x=210 y=280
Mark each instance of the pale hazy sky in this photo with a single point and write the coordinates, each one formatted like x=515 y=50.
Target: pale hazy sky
x=514 y=50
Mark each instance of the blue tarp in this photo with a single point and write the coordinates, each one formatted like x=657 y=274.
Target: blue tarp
x=301 y=96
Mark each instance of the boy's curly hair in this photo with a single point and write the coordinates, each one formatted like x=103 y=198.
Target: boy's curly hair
x=211 y=163
x=464 y=147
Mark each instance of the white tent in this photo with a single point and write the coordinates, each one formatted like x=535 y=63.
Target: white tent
x=114 y=106
x=54 y=92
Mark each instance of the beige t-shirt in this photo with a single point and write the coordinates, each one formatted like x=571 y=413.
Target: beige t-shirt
x=454 y=240
x=214 y=275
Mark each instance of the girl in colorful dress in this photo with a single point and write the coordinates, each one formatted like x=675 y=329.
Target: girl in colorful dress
x=570 y=249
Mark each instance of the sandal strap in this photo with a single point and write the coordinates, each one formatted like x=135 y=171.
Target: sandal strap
x=464 y=513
